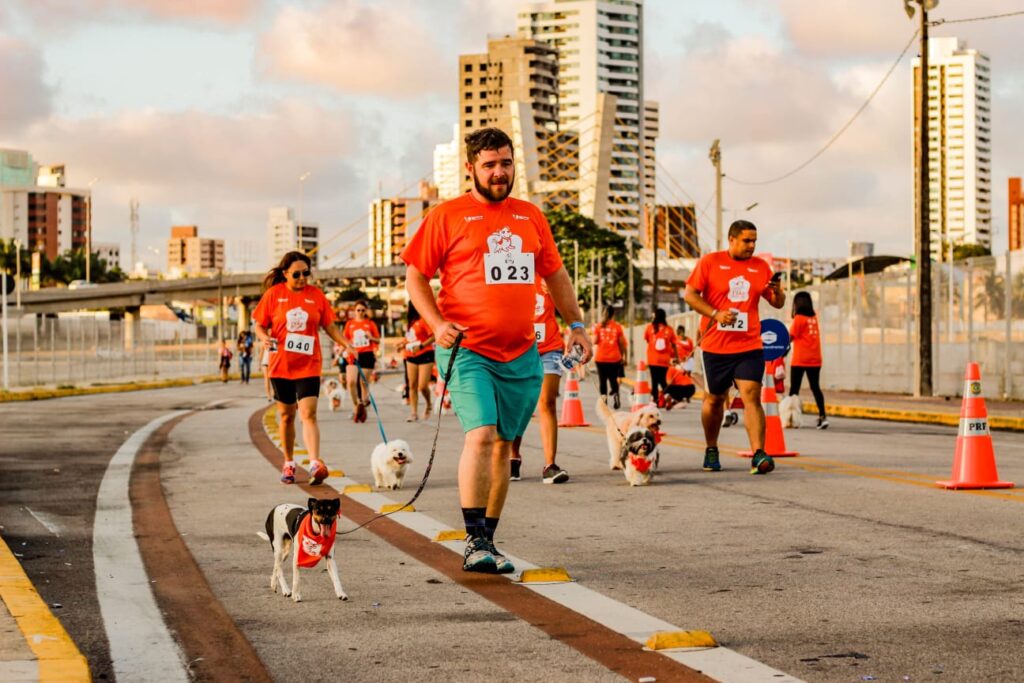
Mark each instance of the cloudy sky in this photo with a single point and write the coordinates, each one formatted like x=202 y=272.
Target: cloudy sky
x=208 y=111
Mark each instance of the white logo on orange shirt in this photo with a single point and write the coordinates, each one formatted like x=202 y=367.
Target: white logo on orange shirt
x=470 y=219
x=538 y=306
x=297 y=319
x=739 y=289
x=504 y=242
x=520 y=218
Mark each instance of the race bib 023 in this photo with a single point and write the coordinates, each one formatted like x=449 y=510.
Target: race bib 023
x=509 y=269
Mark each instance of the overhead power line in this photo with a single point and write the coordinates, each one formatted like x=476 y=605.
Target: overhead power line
x=840 y=132
x=940 y=22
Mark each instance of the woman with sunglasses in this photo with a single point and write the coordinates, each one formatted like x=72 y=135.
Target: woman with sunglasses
x=288 y=319
x=363 y=336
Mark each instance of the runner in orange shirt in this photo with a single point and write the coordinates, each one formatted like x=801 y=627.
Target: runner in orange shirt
x=684 y=347
x=287 y=320
x=418 y=351
x=363 y=337
x=550 y=346
x=725 y=288
x=490 y=250
x=680 y=386
x=807 y=352
x=661 y=351
x=609 y=355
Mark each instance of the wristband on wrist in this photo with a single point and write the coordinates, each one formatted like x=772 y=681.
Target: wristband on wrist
x=714 y=313
x=576 y=325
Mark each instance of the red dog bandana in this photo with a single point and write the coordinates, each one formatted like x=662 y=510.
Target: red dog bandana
x=640 y=463
x=311 y=547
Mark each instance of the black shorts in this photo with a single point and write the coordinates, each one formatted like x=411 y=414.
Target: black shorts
x=722 y=369
x=425 y=358
x=291 y=391
x=367 y=360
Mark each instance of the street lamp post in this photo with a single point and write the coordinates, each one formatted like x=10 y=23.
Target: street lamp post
x=88 y=231
x=298 y=228
x=923 y=228
x=716 y=159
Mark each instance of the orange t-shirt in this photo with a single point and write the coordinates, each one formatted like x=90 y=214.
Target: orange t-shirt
x=359 y=332
x=806 y=341
x=490 y=256
x=727 y=283
x=659 y=345
x=311 y=547
x=606 y=342
x=684 y=346
x=294 y=320
x=678 y=377
x=545 y=325
x=419 y=331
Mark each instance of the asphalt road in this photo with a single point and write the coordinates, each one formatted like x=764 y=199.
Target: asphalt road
x=845 y=563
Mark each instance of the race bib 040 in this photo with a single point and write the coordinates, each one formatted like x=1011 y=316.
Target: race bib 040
x=299 y=343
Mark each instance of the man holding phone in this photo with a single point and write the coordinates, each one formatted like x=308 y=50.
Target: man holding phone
x=726 y=288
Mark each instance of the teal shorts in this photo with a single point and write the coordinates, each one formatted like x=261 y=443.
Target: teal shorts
x=488 y=392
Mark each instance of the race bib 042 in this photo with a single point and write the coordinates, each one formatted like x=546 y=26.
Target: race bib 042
x=299 y=343
x=741 y=324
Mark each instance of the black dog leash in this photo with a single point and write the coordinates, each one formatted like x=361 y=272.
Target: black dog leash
x=433 y=448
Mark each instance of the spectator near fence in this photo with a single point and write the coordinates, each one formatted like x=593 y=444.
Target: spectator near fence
x=806 y=340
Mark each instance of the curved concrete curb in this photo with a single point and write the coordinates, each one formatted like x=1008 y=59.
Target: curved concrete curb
x=57 y=658
x=1003 y=422
x=43 y=394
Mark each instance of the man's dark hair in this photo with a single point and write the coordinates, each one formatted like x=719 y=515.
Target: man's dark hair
x=739 y=226
x=485 y=138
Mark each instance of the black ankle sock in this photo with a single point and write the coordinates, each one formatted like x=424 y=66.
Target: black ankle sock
x=490 y=524
x=474 y=520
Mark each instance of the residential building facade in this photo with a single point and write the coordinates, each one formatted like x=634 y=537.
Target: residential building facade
x=284 y=234
x=959 y=145
x=1015 y=219
x=188 y=254
x=393 y=221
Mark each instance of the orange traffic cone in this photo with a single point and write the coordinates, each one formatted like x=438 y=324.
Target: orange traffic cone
x=974 y=462
x=572 y=407
x=641 y=388
x=774 y=440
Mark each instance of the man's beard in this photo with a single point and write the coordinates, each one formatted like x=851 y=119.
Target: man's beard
x=495 y=195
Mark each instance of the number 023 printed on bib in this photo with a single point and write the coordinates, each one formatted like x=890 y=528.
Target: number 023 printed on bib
x=509 y=269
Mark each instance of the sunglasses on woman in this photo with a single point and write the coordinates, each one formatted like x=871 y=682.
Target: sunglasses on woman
x=296 y=274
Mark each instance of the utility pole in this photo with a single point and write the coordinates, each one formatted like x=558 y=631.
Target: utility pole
x=629 y=296
x=716 y=158
x=133 y=213
x=923 y=228
x=88 y=231
x=652 y=229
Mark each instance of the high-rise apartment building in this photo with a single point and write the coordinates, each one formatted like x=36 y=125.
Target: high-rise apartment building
x=1015 y=216
x=600 y=52
x=448 y=167
x=190 y=254
x=652 y=126
x=284 y=234
x=675 y=230
x=959 y=144
x=393 y=222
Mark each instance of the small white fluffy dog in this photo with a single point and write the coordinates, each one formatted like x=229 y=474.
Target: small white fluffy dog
x=389 y=462
x=791 y=412
x=639 y=456
x=334 y=394
x=618 y=424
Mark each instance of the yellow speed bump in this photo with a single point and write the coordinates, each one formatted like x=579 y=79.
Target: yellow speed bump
x=450 y=535
x=671 y=640
x=395 y=507
x=358 y=488
x=545 y=575
x=336 y=473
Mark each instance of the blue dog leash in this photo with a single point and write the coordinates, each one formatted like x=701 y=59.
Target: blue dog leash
x=373 y=402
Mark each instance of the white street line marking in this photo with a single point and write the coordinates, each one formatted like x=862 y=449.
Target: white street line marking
x=46 y=520
x=719 y=663
x=141 y=647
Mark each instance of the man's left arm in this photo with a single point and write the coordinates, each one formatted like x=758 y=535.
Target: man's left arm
x=564 y=296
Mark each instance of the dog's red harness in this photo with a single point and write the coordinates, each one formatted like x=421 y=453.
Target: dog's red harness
x=639 y=463
x=311 y=548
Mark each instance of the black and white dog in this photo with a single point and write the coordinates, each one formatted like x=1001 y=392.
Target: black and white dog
x=638 y=456
x=311 y=530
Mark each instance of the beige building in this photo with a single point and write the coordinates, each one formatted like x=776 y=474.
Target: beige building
x=675 y=228
x=959 y=144
x=284 y=234
x=393 y=222
x=189 y=254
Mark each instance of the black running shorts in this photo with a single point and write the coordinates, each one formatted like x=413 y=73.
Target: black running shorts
x=722 y=369
x=291 y=391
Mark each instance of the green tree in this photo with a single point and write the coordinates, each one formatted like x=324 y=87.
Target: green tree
x=594 y=241
x=8 y=257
